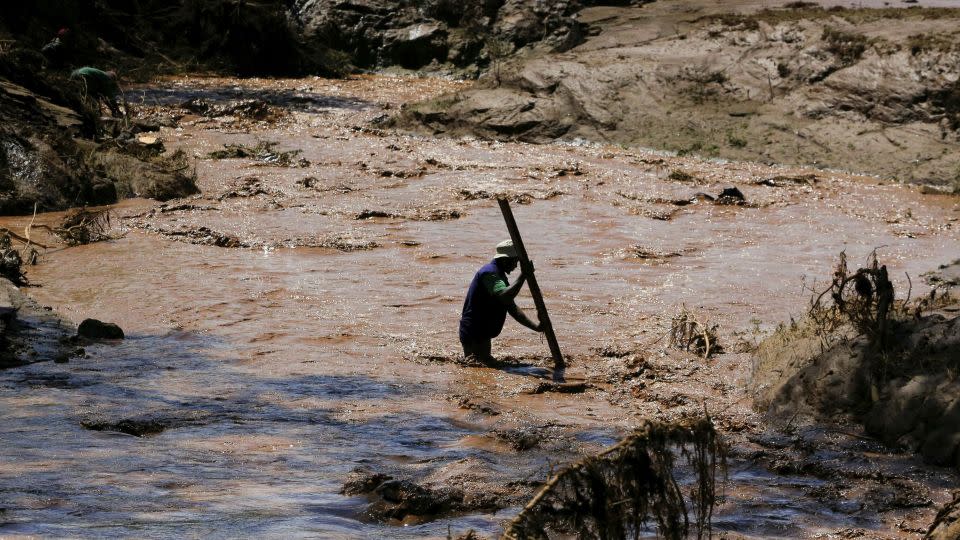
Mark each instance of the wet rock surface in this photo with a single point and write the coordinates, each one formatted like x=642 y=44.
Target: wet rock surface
x=946 y=526
x=463 y=35
x=845 y=88
x=31 y=333
x=395 y=500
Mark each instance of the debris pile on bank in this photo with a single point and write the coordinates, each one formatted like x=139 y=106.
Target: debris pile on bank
x=860 y=352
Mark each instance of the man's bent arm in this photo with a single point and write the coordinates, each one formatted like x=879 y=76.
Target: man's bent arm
x=521 y=317
x=506 y=296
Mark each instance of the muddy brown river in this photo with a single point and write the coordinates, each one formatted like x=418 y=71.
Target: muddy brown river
x=298 y=320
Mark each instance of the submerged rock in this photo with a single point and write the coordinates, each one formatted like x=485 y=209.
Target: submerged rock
x=94 y=329
x=400 y=500
x=138 y=427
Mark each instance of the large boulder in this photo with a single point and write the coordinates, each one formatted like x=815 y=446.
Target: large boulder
x=379 y=33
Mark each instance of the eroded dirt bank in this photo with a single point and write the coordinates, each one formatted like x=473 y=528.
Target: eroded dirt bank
x=294 y=323
x=871 y=88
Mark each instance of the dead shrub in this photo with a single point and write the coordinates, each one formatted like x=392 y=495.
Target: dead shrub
x=848 y=47
x=11 y=263
x=687 y=333
x=862 y=299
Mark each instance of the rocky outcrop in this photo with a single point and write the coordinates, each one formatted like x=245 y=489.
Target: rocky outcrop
x=460 y=34
x=842 y=88
x=47 y=161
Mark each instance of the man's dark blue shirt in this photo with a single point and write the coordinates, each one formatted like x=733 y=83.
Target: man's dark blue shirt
x=483 y=314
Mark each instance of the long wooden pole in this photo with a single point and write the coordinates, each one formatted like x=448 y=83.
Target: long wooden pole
x=527 y=270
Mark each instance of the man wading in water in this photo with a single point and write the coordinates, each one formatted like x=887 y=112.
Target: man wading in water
x=489 y=299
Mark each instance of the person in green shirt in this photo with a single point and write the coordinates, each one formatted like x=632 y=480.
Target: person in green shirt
x=100 y=86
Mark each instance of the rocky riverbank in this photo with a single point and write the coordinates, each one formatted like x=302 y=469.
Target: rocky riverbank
x=861 y=89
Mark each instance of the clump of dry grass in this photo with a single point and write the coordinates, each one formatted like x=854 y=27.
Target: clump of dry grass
x=848 y=47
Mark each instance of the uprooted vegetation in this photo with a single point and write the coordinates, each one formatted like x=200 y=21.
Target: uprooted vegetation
x=11 y=260
x=861 y=352
x=619 y=492
x=81 y=226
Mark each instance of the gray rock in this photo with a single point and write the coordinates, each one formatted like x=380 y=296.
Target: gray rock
x=378 y=33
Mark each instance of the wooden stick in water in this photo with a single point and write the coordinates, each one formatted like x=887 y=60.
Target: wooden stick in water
x=527 y=269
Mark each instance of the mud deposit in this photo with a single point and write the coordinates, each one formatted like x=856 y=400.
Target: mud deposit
x=290 y=362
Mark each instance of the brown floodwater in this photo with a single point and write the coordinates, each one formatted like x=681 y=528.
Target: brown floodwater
x=327 y=339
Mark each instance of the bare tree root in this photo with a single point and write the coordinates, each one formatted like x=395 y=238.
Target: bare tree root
x=82 y=226
x=689 y=334
x=614 y=494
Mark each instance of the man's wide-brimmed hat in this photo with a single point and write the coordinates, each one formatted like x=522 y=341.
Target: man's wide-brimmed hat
x=506 y=249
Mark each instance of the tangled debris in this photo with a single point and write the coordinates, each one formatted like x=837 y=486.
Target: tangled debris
x=615 y=493
x=419 y=214
x=81 y=226
x=245 y=109
x=248 y=186
x=469 y=194
x=11 y=263
x=689 y=334
x=862 y=299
